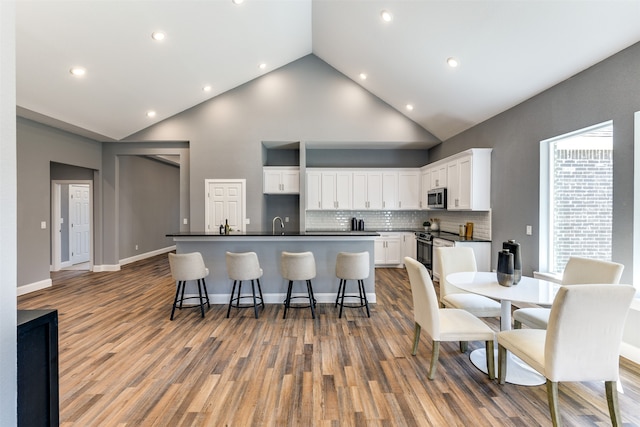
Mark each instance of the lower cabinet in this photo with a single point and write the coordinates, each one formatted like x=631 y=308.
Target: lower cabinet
x=392 y=247
x=38 y=395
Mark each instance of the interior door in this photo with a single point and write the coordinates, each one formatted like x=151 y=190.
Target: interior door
x=225 y=202
x=80 y=223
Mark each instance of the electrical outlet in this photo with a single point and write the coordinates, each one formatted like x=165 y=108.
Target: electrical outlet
x=529 y=231
x=185 y=221
x=136 y=247
x=286 y=219
x=43 y=225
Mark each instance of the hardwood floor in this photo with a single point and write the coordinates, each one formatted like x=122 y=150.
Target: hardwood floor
x=124 y=363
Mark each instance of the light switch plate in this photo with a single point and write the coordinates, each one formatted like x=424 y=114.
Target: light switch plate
x=529 y=230
x=43 y=225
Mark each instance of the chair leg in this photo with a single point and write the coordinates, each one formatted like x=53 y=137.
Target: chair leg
x=344 y=288
x=233 y=289
x=206 y=293
x=434 y=359
x=287 y=300
x=464 y=346
x=517 y=324
x=612 y=402
x=239 y=293
x=255 y=303
x=491 y=368
x=502 y=364
x=363 y=295
x=552 y=395
x=184 y=285
x=260 y=290
x=339 y=291
x=201 y=298
x=175 y=300
x=416 y=338
x=312 y=301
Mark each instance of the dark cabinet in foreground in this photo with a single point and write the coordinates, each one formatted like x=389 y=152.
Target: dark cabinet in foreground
x=38 y=394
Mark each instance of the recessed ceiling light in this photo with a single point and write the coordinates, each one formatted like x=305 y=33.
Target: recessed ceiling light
x=151 y=113
x=262 y=66
x=207 y=88
x=386 y=16
x=78 y=71
x=158 y=35
x=237 y=1
x=363 y=76
x=453 y=62
x=409 y=107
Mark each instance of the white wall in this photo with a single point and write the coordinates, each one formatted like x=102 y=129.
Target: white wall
x=8 y=221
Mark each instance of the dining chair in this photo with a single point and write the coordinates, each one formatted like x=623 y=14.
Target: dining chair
x=578 y=270
x=442 y=324
x=581 y=343
x=462 y=259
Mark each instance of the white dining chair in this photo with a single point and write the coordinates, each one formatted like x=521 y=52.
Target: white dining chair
x=581 y=342
x=442 y=324
x=578 y=270
x=462 y=259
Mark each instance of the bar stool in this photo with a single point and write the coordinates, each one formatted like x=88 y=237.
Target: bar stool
x=244 y=266
x=352 y=266
x=185 y=267
x=298 y=266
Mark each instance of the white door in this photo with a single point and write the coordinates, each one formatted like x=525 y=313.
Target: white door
x=80 y=223
x=225 y=202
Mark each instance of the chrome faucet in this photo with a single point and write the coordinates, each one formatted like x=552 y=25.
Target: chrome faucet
x=273 y=225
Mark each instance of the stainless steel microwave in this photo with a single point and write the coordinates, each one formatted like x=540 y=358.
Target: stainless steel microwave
x=437 y=198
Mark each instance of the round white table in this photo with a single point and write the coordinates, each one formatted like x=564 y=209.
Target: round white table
x=528 y=290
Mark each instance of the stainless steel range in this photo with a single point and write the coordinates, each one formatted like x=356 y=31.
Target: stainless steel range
x=424 y=252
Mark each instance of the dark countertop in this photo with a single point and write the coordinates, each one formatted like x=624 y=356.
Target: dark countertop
x=454 y=237
x=269 y=233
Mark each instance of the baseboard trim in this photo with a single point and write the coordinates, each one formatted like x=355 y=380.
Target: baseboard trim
x=32 y=287
x=105 y=267
x=146 y=255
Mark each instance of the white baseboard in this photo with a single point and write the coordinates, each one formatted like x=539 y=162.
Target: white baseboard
x=32 y=287
x=105 y=267
x=146 y=255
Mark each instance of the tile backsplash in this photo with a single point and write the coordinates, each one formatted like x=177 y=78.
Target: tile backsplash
x=400 y=220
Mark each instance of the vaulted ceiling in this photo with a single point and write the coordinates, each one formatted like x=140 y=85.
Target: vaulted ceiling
x=508 y=51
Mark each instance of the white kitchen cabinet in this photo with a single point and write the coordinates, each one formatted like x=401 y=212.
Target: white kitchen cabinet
x=390 y=190
x=409 y=246
x=469 y=180
x=409 y=189
x=438 y=176
x=281 y=180
x=367 y=190
x=329 y=189
x=388 y=249
x=425 y=186
x=336 y=190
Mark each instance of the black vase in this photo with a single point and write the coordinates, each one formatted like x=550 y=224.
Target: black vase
x=505 y=268
x=514 y=248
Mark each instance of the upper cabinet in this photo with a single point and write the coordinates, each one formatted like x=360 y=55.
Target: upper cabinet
x=329 y=190
x=367 y=190
x=281 y=180
x=409 y=189
x=469 y=180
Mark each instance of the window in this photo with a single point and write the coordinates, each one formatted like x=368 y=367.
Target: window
x=576 y=196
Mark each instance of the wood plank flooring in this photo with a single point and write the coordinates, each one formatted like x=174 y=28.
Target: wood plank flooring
x=123 y=363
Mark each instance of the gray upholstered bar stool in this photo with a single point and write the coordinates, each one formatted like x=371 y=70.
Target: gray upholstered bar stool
x=186 y=267
x=352 y=266
x=298 y=266
x=244 y=266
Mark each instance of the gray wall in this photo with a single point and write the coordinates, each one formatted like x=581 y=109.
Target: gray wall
x=609 y=90
x=306 y=100
x=149 y=205
x=38 y=146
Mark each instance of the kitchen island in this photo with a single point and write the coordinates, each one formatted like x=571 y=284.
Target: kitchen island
x=325 y=246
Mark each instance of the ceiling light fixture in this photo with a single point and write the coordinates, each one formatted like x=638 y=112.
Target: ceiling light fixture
x=78 y=71
x=453 y=62
x=207 y=88
x=386 y=16
x=158 y=35
x=409 y=107
x=263 y=66
x=363 y=76
x=151 y=113
x=237 y=1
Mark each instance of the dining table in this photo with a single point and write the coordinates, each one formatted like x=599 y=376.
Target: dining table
x=528 y=290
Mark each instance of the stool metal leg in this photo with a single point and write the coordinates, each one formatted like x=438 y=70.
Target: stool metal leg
x=340 y=285
x=184 y=285
x=233 y=289
x=260 y=290
x=255 y=303
x=287 y=300
x=363 y=296
x=175 y=300
x=344 y=288
x=312 y=300
x=206 y=293
x=201 y=298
